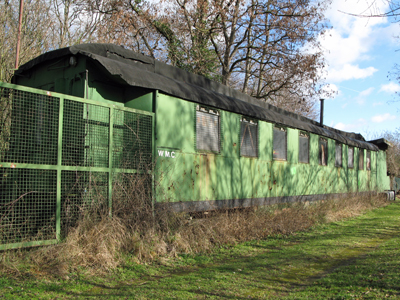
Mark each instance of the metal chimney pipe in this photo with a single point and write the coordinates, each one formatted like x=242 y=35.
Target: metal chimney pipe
x=321 y=114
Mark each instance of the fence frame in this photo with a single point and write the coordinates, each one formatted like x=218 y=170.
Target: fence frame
x=59 y=167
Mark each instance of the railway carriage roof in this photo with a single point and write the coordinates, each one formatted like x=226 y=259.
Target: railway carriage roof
x=130 y=68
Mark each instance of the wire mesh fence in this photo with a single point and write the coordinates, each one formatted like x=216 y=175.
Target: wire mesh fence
x=131 y=147
x=86 y=130
x=81 y=191
x=28 y=131
x=28 y=204
x=61 y=156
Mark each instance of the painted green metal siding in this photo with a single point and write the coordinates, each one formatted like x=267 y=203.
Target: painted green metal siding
x=59 y=77
x=85 y=80
x=197 y=175
x=142 y=102
x=175 y=124
x=383 y=181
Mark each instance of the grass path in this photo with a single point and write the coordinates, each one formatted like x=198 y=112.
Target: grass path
x=353 y=259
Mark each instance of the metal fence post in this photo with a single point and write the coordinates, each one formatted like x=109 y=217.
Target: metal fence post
x=110 y=161
x=59 y=164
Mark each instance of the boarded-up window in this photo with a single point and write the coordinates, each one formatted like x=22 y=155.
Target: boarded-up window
x=304 y=148
x=368 y=160
x=207 y=129
x=280 y=144
x=350 y=160
x=338 y=155
x=361 y=159
x=323 y=151
x=248 y=137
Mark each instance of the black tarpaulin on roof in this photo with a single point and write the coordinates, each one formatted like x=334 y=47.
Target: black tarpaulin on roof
x=139 y=70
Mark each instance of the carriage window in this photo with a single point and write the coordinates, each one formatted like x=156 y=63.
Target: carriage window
x=248 y=137
x=338 y=155
x=323 y=152
x=361 y=159
x=280 y=143
x=350 y=161
x=368 y=160
x=207 y=129
x=304 y=148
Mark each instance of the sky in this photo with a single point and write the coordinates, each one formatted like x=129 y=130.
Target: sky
x=360 y=53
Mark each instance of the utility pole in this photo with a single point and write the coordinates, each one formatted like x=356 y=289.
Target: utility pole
x=21 y=8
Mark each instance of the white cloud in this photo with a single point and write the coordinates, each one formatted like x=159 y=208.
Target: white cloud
x=347 y=72
x=390 y=88
x=388 y=35
x=351 y=38
x=377 y=104
x=366 y=92
x=383 y=118
x=355 y=126
x=340 y=126
x=341 y=11
x=363 y=94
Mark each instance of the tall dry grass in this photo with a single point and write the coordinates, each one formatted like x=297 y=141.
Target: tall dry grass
x=100 y=243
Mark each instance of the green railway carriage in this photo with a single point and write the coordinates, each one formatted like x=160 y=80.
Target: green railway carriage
x=213 y=146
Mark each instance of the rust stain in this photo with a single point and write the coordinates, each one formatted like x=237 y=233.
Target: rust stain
x=209 y=160
x=207 y=169
x=171 y=186
x=200 y=179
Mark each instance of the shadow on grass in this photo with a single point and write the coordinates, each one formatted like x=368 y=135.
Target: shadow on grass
x=357 y=258
x=346 y=255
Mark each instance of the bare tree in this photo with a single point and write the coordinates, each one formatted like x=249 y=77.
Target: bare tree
x=259 y=47
x=174 y=31
x=46 y=25
x=35 y=30
x=127 y=23
x=373 y=9
x=72 y=22
x=282 y=71
x=393 y=152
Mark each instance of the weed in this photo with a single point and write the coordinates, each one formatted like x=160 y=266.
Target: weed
x=356 y=258
x=99 y=243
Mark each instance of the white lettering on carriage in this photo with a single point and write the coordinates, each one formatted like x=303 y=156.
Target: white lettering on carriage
x=166 y=153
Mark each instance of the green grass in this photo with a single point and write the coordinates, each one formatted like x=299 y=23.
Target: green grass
x=353 y=259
